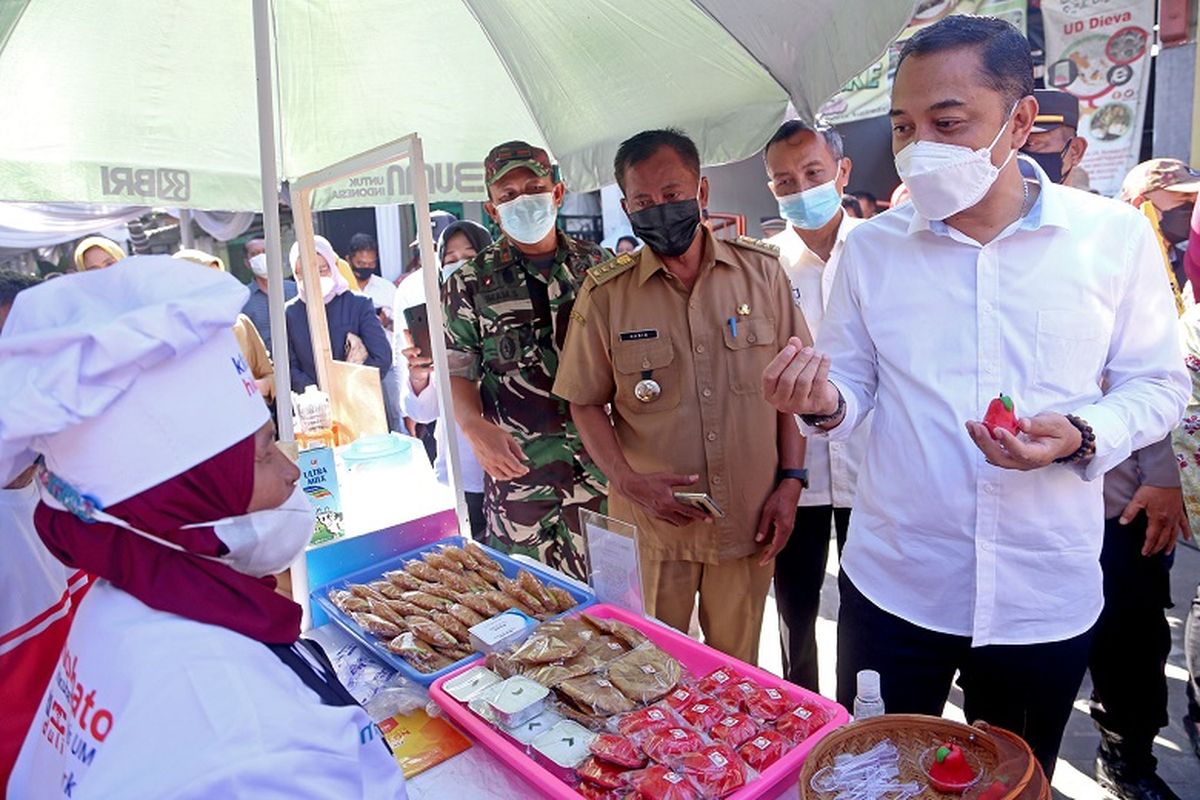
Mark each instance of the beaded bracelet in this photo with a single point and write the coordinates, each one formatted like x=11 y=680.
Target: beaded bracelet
x=1087 y=444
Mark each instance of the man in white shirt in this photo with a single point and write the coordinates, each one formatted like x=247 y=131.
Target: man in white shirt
x=973 y=549
x=364 y=263
x=808 y=173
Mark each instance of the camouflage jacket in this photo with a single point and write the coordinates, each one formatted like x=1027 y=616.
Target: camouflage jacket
x=495 y=335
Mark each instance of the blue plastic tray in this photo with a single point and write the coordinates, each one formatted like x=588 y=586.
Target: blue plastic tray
x=320 y=596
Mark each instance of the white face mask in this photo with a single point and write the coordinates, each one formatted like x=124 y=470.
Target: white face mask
x=451 y=267
x=258 y=265
x=944 y=179
x=529 y=218
x=260 y=543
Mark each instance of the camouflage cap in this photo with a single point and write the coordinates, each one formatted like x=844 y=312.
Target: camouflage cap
x=1160 y=173
x=504 y=158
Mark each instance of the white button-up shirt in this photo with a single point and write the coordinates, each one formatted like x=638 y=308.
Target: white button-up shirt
x=926 y=326
x=832 y=466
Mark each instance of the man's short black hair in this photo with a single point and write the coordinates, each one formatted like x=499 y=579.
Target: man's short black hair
x=13 y=282
x=794 y=127
x=360 y=242
x=1003 y=51
x=642 y=146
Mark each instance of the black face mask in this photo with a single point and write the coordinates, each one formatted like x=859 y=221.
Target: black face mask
x=362 y=274
x=1176 y=223
x=1051 y=163
x=667 y=229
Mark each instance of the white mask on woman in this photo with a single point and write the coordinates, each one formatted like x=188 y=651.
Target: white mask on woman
x=944 y=179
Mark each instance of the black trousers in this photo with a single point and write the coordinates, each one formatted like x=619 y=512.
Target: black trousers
x=799 y=575
x=475 y=515
x=1131 y=644
x=1028 y=689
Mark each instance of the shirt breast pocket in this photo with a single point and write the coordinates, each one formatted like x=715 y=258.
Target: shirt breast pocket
x=750 y=352
x=1071 y=347
x=510 y=347
x=647 y=360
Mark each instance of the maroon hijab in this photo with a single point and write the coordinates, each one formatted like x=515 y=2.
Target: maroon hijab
x=164 y=578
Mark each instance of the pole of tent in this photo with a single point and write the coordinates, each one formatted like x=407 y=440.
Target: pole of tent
x=186 y=238
x=270 y=201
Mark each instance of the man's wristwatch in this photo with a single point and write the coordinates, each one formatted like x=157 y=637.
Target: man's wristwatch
x=795 y=474
x=817 y=420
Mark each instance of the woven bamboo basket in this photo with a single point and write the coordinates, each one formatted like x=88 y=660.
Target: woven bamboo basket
x=1002 y=754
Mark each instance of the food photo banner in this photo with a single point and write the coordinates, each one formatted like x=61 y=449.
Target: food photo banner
x=1099 y=51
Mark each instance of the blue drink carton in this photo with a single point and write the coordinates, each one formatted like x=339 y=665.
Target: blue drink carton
x=318 y=476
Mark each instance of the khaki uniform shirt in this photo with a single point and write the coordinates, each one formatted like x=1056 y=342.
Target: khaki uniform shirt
x=633 y=320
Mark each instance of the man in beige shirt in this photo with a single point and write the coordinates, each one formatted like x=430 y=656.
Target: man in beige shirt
x=675 y=337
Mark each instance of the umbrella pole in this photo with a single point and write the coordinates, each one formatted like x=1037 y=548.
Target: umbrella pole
x=430 y=272
x=270 y=201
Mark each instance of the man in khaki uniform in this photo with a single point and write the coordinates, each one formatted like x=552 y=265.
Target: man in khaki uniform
x=676 y=336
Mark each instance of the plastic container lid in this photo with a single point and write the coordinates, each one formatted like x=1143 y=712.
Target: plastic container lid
x=382 y=447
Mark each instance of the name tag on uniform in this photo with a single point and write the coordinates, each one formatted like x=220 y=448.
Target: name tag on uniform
x=637 y=336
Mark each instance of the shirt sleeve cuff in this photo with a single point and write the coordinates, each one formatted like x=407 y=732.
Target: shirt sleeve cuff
x=464 y=365
x=1113 y=442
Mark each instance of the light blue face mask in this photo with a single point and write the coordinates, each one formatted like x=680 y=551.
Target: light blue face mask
x=528 y=218
x=811 y=208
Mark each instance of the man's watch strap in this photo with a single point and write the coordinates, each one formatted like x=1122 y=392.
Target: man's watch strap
x=795 y=474
x=816 y=421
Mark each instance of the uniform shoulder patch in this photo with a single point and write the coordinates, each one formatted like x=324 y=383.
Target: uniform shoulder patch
x=758 y=245
x=607 y=270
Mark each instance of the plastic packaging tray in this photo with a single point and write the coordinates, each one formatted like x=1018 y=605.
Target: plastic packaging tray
x=697 y=659
x=320 y=596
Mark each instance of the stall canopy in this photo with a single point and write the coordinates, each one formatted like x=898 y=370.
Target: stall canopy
x=134 y=102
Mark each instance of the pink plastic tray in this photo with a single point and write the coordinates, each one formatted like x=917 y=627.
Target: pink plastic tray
x=696 y=659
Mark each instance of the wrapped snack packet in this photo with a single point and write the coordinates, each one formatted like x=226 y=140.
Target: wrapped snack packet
x=764 y=750
x=617 y=750
x=662 y=783
x=716 y=769
x=734 y=729
x=801 y=722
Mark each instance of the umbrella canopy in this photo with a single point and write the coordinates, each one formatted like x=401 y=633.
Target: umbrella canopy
x=150 y=103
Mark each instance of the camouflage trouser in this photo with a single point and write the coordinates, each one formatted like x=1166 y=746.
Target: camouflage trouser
x=541 y=519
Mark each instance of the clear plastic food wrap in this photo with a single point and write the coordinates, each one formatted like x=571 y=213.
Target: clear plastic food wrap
x=659 y=782
x=645 y=674
x=716 y=770
x=734 y=729
x=662 y=745
x=716 y=681
x=802 y=722
x=764 y=750
x=617 y=750
x=595 y=695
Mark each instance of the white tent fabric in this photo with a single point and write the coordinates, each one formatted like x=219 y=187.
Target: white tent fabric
x=26 y=226
x=166 y=119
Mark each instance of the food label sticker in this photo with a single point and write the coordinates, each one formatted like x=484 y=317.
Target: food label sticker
x=603 y=682
x=729 y=722
x=717 y=759
x=655 y=715
x=649 y=670
x=672 y=778
x=746 y=688
x=802 y=713
x=676 y=733
x=773 y=694
x=700 y=708
x=762 y=743
x=720 y=677
x=680 y=694
x=614 y=646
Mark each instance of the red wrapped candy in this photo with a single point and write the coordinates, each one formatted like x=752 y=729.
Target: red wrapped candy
x=764 y=750
x=647 y=719
x=768 y=703
x=663 y=744
x=683 y=696
x=601 y=774
x=662 y=783
x=734 y=729
x=739 y=695
x=617 y=750
x=593 y=792
x=716 y=769
x=801 y=722
x=718 y=679
x=702 y=714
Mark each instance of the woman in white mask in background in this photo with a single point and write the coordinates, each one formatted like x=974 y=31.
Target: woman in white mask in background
x=184 y=674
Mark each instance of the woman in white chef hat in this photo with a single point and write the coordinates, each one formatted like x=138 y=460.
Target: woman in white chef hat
x=183 y=675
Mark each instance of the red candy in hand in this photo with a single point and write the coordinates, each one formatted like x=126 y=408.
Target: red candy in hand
x=1001 y=413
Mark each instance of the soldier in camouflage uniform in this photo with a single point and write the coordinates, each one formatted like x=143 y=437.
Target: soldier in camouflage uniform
x=507 y=312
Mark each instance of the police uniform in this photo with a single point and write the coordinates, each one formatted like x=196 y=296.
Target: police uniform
x=505 y=323
x=683 y=373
